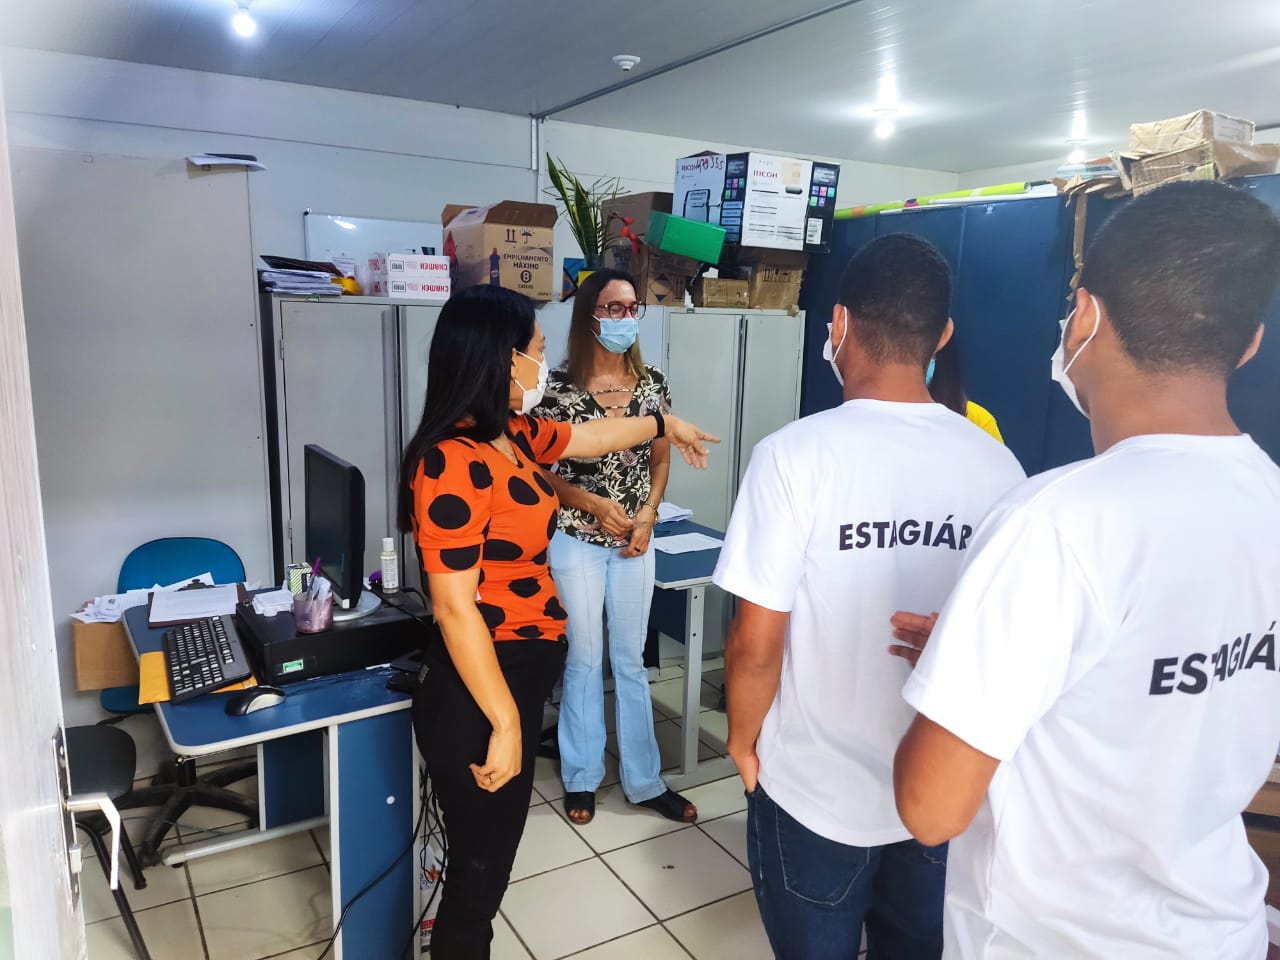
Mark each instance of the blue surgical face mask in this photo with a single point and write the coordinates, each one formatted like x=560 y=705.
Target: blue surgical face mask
x=928 y=374
x=617 y=336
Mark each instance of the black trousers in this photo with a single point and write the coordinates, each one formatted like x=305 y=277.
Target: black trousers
x=482 y=829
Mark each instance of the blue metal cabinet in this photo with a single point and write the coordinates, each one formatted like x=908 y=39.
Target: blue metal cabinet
x=1254 y=394
x=942 y=226
x=1066 y=432
x=818 y=387
x=1007 y=302
x=1012 y=266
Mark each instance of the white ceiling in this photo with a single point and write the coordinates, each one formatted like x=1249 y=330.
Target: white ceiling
x=982 y=83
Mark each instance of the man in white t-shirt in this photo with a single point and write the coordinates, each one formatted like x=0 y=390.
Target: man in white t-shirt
x=844 y=517
x=1099 y=700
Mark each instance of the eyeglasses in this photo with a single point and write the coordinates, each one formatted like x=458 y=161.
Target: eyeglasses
x=617 y=309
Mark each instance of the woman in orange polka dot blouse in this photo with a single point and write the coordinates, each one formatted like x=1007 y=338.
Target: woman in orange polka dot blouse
x=482 y=515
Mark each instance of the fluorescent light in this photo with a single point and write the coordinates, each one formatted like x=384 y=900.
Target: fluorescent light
x=884 y=129
x=888 y=96
x=1078 y=126
x=243 y=23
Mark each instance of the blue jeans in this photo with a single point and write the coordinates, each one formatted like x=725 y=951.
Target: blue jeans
x=593 y=581
x=815 y=894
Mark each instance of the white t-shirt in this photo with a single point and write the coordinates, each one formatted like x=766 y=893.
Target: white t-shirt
x=1112 y=640
x=843 y=518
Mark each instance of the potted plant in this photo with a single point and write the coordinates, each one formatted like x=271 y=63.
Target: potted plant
x=581 y=207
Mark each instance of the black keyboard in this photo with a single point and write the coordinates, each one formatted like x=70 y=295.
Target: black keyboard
x=203 y=655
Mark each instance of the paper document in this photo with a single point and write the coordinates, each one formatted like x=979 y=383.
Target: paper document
x=273 y=602
x=111 y=608
x=686 y=543
x=168 y=606
x=669 y=512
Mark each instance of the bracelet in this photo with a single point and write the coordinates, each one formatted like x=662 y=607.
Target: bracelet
x=662 y=425
x=651 y=506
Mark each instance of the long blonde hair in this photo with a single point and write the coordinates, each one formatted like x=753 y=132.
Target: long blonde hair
x=582 y=339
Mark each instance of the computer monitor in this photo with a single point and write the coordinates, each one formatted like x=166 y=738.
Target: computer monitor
x=335 y=528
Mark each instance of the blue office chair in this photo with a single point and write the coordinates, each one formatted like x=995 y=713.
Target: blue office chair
x=177 y=787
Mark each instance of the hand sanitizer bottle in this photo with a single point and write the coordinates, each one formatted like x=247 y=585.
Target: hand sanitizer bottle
x=390 y=566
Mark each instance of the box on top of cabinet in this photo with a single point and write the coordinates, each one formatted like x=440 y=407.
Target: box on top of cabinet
x=762 y=200
x=508 y=244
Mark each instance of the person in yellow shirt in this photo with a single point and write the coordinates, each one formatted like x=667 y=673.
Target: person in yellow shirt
x=946 y=388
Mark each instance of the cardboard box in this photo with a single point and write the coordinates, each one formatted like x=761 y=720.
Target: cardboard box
x=636 y=207
x=1204 y=161
x=762 y=200
x=773 y=277
x=508 y=245
x=1179 y=133
x=408 y=276
x=104 y=658
x=661 y=278
x=715 y=292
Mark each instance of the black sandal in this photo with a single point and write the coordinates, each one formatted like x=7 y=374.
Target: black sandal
x=580 y=802
x=672 y=806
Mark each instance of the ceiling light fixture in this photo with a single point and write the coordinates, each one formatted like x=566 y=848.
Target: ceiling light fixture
x=884 y=124
x=243 y=23
x=626 y=62
x=886 y=108
x=1079 y=137
x=888 y=97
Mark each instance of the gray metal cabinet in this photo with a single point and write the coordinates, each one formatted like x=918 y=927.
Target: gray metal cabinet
x=337 y=385
x=735 y=374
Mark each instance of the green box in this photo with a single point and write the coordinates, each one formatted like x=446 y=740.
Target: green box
x=685 y=238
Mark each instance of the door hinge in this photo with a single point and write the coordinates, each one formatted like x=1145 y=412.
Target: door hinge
x=281 y=342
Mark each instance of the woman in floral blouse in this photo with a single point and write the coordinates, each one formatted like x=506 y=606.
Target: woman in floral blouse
x=600 y=556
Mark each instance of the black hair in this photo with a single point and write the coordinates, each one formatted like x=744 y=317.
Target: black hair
x=468 y=375
x=898 y=293
x=1186 y=272
x=582 y=338
x=947 y=388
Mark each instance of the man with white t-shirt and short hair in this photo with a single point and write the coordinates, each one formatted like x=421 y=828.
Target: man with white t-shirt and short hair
x=842 y=517
x=1099 y=700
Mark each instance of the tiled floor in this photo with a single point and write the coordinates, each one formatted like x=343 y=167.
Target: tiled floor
x=628 y=885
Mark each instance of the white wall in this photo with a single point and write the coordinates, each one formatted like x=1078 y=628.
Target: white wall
x=346 y=152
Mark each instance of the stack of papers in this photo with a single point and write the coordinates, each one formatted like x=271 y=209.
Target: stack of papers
x=111 y=608
x=272 y=602
x=670 y=513
x=169 y=606
x=310 y=283
x=686 y=543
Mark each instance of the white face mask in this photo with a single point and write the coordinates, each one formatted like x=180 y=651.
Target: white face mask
x=531 y=398
x=1059 y=366
x=830 y=353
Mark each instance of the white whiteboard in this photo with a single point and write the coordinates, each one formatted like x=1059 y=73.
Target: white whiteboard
x=330 y=235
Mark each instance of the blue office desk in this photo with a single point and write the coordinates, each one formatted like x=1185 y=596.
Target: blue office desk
x=691 y=573
x=338 y=748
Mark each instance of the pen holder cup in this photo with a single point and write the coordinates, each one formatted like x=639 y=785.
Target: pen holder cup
x=312 y=616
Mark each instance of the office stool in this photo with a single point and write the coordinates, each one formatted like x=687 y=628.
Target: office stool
x=101 y=759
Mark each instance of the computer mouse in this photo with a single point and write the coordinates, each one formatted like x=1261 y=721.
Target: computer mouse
x=252 y=699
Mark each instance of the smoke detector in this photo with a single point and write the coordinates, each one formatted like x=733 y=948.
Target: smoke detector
x=626 y=62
